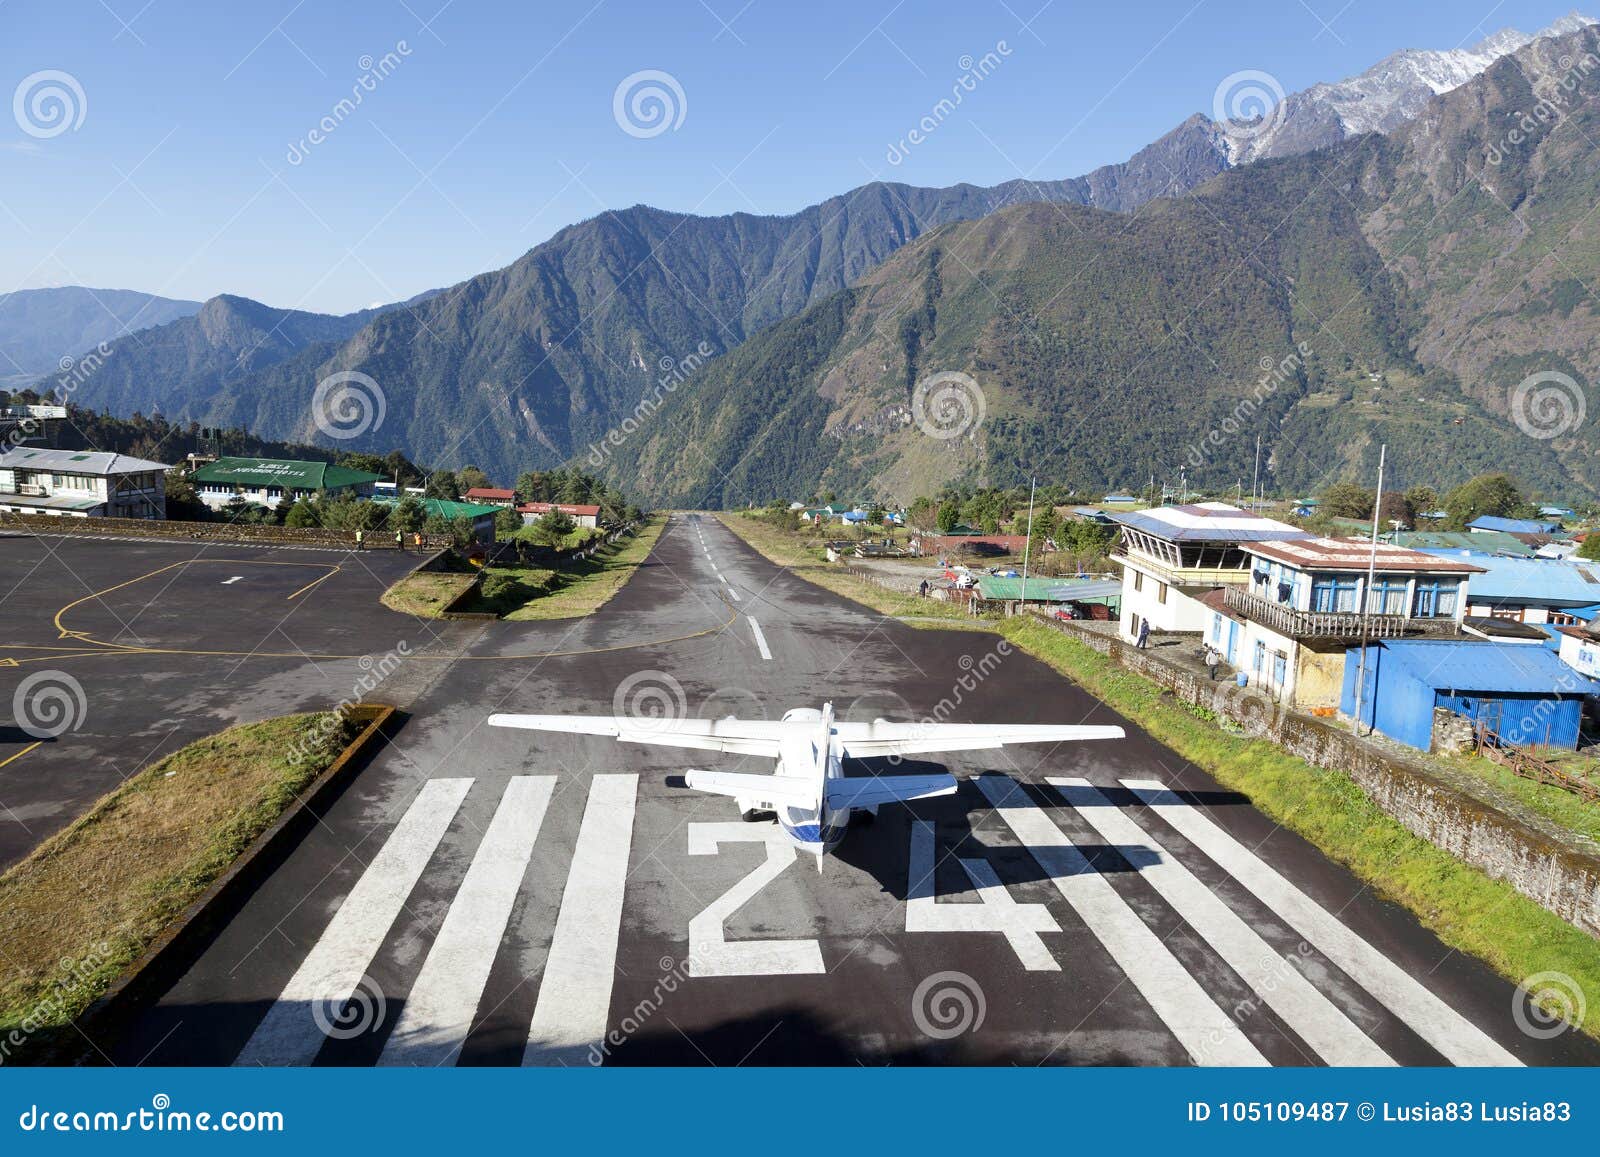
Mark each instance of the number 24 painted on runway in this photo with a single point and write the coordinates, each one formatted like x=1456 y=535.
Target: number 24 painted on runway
x=711 y=953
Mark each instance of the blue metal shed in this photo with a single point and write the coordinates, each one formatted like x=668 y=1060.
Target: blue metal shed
x=1525 y=694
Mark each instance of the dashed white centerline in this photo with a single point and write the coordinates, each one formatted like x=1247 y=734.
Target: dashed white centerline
x=761 y=640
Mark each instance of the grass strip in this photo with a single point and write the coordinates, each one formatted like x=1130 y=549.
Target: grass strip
x=90 y=900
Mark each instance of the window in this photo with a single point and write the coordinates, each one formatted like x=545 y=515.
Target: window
x=1161 y=592
x=1258 y=660
x=1280 y=668
x=1138 y=580
x=1387 y=597
x=1216 y=628
x=1329 y=594
x=1436 y=599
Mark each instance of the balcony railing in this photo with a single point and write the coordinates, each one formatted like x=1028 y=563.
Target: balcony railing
x=1330 y=624
x=25 y=489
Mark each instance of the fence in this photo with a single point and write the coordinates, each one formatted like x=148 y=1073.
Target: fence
x=1521 y=762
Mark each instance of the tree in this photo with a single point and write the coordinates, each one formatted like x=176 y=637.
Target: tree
x=1589 y=548
x=408 y=514
x=949 y=515
x=300 y=514
x=1494 y=494
x=1346 y=500
x=1423 y=499
x=1396 y=508
x=442 y=484
x=553 y=528
x=507 y=522
x=470 y=478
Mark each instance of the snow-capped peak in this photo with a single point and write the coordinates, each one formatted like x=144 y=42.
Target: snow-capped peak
x=1380 y=99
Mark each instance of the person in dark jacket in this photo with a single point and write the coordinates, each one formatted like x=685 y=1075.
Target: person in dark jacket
x=1144 y=634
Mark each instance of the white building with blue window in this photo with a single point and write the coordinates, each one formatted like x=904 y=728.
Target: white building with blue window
x=1308 y=601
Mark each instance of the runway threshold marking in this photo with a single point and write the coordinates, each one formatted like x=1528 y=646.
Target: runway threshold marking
x=290 y=1033
x=228 y=582
x=1282 y=987
x=761 y=639
x=438 y=1010
x=1207 y=1033
x=1461 y=1041
x=18 y=755
x=574 y=1002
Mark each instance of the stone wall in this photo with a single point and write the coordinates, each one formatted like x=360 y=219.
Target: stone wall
x=208 y=531
x=1547 y=865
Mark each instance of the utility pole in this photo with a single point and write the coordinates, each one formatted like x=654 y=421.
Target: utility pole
x=1027 y=545
x=1366 y=595
x=1255 y=481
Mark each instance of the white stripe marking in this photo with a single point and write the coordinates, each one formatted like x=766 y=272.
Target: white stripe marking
x=1207 y=1033
x=1269 y=973
x=438 y=1010
x=1429 y=1017
x=574 y=1005
x=761 y=640
x=733 y=592
x=289 y=1033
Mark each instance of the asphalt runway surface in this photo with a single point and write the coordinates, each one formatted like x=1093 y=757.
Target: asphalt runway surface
x=486 y=896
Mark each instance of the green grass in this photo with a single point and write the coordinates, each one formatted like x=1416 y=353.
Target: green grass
x=90 y=900
x=576 y=587
x=1569 y=810
x=1465 y=908
x=427 y=593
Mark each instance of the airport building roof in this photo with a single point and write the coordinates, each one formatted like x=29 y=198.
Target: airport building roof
x=1206 y=522
x=443 y=507
x=285 y=472
x=1530 y=581
x=96 y=462
x=1358 y=554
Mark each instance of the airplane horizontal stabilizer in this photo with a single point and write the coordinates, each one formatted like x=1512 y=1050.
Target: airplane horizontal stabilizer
x=869 y=791
x=882 y=738
x=784 y=789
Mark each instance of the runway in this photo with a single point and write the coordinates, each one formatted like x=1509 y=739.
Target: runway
x=481 y=896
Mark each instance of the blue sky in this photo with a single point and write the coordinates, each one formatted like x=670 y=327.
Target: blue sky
x=190 y=171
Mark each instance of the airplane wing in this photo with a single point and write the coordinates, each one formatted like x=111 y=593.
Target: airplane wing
x=882 y=737
x=868 y=791
x=735 y=736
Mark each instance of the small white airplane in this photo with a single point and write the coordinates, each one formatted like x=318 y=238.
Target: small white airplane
x=807 y=791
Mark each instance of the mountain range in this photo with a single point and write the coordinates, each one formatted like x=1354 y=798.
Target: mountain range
x=40 y=327
x=1070 y=313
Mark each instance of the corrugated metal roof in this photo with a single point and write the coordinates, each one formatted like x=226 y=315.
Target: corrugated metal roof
x=1530 y=581
x=1513 y=525
x=1489 y=541
x=1487 y=667
x=1207 y=522
x=1357 y=554
x=97 y=462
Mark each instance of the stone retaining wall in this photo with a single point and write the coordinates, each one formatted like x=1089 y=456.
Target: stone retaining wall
x=1556 y=874
x=209 y=531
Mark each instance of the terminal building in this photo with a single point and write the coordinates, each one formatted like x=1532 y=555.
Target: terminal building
x=81 y=484
x=271 y=481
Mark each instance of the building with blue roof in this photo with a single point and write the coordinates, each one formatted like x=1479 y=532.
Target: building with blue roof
x=1524 y=694
x=1531 y=590
x=1513 y=525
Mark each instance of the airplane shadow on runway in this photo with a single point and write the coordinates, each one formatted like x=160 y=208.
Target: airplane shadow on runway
x=882 y=846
